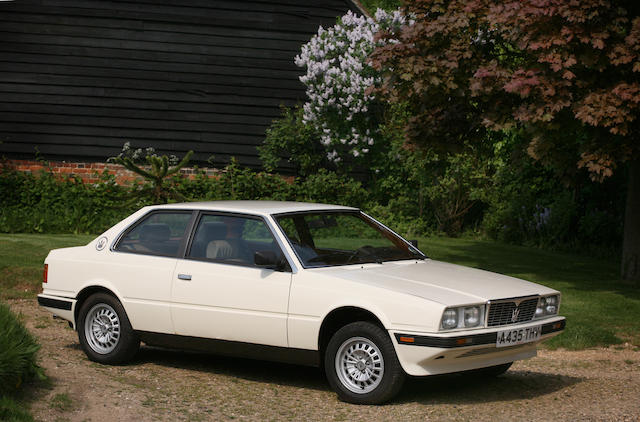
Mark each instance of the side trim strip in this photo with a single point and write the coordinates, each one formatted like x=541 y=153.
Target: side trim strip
x=54 y=303
x=448 y=342
x=464 y=341
x=232 y=348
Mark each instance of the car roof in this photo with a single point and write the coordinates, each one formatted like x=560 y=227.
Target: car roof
x=254 y=207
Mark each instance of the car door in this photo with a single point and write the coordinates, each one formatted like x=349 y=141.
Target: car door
x=142 y=265
x=218 y=291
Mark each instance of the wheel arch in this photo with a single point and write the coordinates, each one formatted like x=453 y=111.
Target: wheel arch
x=340 y=317
x=85 y=293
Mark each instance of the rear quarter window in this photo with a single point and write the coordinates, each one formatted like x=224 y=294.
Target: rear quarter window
x=160 y=233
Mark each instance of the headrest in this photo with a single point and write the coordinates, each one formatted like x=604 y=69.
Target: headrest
x=213 y=231
x=158 y=232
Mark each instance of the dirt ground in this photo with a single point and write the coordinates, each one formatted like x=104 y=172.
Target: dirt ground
x=589 y=385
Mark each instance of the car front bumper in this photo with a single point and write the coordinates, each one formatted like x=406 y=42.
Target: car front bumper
x=430 y=354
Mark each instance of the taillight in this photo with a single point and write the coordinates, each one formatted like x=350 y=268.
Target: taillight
x=44 y=273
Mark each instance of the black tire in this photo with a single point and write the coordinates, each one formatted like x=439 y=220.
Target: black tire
x=379 y=385
x=118 y=343
x=491 y=371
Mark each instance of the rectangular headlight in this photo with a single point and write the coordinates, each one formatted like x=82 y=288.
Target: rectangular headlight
x=547 y=306
x=462 y=317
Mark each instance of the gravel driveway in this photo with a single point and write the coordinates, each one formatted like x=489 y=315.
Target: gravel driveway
x=590 y=385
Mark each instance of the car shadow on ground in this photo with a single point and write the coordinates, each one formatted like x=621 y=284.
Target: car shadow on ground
x=468 y=389
x=438 y=389
x=248 y=369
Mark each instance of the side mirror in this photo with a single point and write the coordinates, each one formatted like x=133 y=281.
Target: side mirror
x=414 y=243
x=268 y=259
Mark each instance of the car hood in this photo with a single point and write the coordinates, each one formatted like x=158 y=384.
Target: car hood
x=440 y=282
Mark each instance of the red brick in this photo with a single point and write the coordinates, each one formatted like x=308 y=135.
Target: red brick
x=87 y=171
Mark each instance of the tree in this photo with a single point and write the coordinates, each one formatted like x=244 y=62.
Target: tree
x=158 y=170
x=337 y=77
x=567 y=72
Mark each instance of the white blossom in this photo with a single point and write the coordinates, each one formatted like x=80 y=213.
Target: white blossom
x=337 y=78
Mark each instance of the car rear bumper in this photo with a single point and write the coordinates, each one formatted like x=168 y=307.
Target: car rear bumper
x=62 y=307
x=430 y=354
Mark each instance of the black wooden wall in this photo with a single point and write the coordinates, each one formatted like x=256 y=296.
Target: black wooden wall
x=78 y=78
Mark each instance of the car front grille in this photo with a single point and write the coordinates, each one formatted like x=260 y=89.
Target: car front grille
x=512 y=311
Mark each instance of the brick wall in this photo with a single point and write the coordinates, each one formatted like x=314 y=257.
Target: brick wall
x=90 y=172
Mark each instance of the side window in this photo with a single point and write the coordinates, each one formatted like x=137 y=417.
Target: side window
x=289 y=228
x=160 y=233
x=296 y=229
x=255 y=231
x=231 y=239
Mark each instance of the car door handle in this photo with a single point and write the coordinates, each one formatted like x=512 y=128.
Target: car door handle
x=184 y=276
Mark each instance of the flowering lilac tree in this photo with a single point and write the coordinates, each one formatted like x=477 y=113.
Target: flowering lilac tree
x=337 y=78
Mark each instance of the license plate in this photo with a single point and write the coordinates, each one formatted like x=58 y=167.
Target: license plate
x=516 y=336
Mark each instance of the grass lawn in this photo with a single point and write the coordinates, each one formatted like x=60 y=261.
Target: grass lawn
x=22 y=258
x=599 y=310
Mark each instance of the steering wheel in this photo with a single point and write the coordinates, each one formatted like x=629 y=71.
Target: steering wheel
x=362 y=250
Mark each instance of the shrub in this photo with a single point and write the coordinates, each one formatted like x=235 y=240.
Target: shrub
x=291 y=139
x=530 y=204
x=12 y=411
x=331 y=188
x=339 y=106
x=42 y=203
x=395 y=216
x=236 y=182
x=507 y=195
x=598 y=227
x=18 y=351
x=156 y=170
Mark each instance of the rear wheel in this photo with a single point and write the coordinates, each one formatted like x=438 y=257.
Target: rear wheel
x=104 y=330
x=361 y=364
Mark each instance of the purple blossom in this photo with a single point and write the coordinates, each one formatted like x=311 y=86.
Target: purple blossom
x=337 y=77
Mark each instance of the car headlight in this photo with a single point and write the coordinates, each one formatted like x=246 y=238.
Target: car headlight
x=471 y=316
x=547 y=305
x=462 y=317
x=450 y=319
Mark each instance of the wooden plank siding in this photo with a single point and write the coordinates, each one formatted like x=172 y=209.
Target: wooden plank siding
x=78 y=78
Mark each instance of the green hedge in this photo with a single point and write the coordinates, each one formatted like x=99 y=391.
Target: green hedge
x=519 y=202
x=44 y=203
x=18 y=351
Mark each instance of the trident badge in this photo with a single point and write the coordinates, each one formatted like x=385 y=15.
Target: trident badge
x=514 y=315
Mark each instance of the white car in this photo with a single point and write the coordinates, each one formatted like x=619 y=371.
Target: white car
x=314 y=284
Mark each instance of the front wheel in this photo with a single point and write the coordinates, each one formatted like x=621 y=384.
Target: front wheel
x=104 y=330
x=361 y=364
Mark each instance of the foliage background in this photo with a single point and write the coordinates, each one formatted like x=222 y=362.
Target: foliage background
x=490 y=188
x=505 y=196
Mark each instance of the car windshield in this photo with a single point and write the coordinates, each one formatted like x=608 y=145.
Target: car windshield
x=323 y=239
